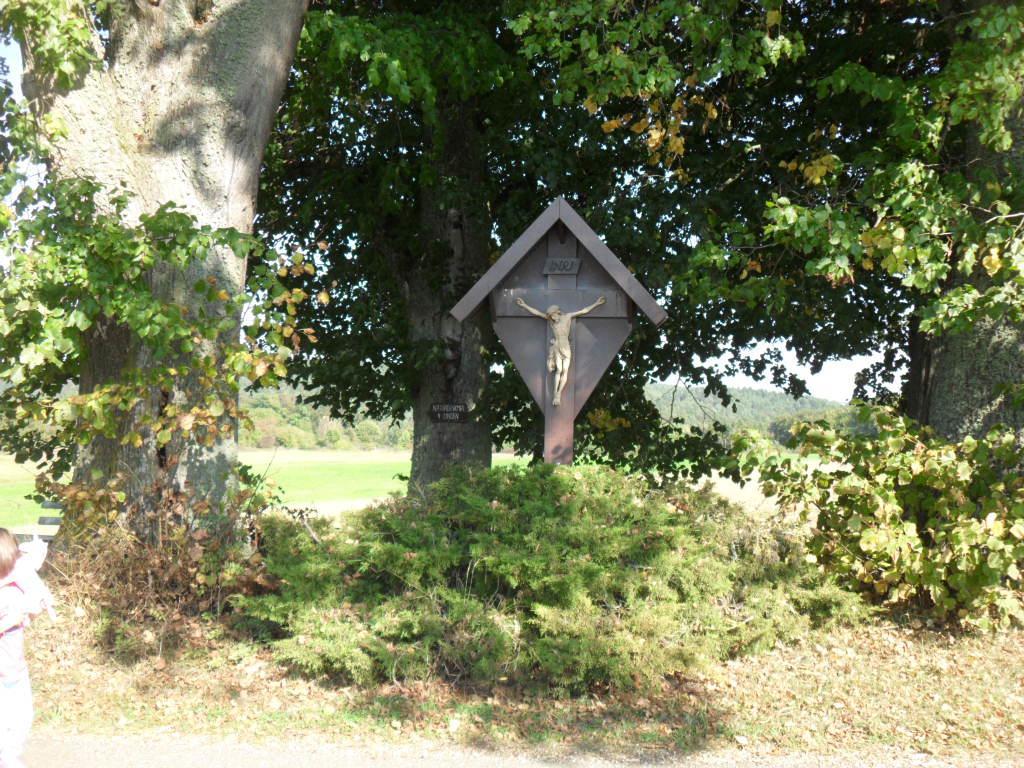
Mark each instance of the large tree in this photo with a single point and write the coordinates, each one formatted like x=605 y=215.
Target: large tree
x=966 y=378
x=415 y=136
x=417 y=108
x=139 y=105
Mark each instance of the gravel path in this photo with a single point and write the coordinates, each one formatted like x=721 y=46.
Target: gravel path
x=169 y=750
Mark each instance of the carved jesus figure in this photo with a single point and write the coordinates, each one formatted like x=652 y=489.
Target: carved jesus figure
x=560 y=351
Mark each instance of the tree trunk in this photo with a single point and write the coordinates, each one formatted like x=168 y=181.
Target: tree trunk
x=180 y=112
x=917 y=385
x=456 y=236
x=958 y=381
x=969 y=372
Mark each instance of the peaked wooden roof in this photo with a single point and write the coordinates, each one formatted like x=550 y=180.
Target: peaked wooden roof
x=560 y=210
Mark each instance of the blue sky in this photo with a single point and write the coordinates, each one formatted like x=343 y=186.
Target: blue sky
x=833 y=382
x=12 y=56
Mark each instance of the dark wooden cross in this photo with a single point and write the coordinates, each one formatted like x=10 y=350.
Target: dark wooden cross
x=559 y=262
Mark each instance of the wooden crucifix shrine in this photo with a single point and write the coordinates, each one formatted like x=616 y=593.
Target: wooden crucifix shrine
x=562 y=305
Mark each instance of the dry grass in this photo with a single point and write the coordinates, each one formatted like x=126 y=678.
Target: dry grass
x=846 y=691
x=883 y=685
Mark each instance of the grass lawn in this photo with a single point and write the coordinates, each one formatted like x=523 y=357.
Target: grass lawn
x=307 y=478
x=312 y=477
x=16 y=480
x=316 y=477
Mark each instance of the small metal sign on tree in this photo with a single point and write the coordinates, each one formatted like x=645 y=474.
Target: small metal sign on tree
x=562 y=305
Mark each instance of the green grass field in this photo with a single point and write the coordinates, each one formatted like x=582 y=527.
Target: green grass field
x=16 y=481
x=332 y=481
x=310 y=478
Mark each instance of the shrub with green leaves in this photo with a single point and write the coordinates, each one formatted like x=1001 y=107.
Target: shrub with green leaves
x=572 y=578
x=910 y=518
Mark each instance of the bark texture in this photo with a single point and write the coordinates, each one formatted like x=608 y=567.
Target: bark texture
x=967 y=374
x=181 y=112
x=455 y=227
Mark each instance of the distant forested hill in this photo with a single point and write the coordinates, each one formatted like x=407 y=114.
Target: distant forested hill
x=767 y=411
x=280 y=420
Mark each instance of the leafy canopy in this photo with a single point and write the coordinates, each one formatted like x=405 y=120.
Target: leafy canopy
x=355 y=151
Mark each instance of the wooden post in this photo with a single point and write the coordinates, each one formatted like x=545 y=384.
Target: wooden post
x=559 y=419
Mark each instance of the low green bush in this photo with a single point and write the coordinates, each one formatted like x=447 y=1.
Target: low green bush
x=571 y=578
x=911 y=519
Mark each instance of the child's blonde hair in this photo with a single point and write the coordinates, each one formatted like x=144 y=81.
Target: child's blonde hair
x=9 y=552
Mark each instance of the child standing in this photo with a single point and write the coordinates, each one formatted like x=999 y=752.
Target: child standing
x=22 y=595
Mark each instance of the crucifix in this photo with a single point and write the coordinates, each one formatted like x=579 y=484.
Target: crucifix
x=560 y=346
x=560 y=263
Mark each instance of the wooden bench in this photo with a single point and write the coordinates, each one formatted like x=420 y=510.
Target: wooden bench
x=51 y=521
x=51 y=524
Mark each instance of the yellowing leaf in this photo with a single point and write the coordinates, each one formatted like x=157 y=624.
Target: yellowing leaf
x=992 y=263
x=591 y=105
x=324 y=298
x=773 y=18
x=655 y=137
x=610 y=125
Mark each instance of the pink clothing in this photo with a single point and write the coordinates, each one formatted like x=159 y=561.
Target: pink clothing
x=15 y=689
x=22 y=595
x=12 y=633
x=36 y=597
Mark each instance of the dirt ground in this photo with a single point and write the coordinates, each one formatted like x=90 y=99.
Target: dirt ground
x=165 y=749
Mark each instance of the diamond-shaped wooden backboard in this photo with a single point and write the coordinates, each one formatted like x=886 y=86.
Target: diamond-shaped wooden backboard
x=560 y=262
